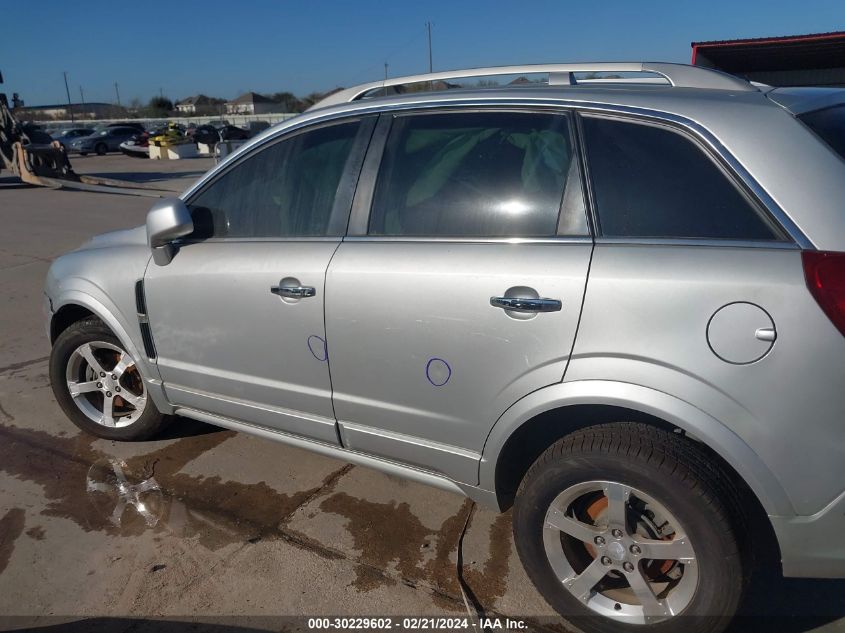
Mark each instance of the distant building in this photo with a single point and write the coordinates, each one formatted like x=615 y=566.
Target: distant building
x=62 y=111
x=190 y=105
x=816 y=59
x=251 y=103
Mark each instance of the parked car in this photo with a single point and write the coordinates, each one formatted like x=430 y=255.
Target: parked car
x=138 y=126
x=206 y=134
x=138 y=146
x=66 y=136
x=254 y=128
x=233 y=133
x=618 y=309
x=106 y=140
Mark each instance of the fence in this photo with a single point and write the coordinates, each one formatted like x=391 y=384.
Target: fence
x=234 y=119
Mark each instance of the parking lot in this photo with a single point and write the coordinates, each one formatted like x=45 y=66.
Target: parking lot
x=231 y=524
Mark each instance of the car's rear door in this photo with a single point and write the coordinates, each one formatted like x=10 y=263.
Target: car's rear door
x=459 y=288
x=237 y=316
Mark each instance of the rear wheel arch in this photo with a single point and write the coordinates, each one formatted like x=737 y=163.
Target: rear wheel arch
x=531 y=439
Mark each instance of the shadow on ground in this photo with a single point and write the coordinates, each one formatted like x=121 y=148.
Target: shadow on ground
x=789 y=605
x=143 y=625
x=180 y=427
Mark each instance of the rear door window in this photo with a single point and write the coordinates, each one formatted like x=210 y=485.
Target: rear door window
x=653 y=182
x=476 y=174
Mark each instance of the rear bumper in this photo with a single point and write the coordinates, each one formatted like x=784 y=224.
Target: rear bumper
x=813 y=546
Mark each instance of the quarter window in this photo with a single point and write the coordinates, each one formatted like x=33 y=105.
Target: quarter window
x=650 y=181
x=474 y=174
x=288 y=189
x=829 y=124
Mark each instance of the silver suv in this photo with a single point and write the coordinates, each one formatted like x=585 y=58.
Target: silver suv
x=616 y=304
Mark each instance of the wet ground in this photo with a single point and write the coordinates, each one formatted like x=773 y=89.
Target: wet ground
x=206 y=523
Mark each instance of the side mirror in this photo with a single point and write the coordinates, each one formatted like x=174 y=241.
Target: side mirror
x=169 y=219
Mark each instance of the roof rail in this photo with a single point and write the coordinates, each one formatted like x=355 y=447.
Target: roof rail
x=678 y=75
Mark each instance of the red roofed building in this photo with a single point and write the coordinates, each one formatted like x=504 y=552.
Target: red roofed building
x=817 y=59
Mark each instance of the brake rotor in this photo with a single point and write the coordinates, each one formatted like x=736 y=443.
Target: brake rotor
x=655 y=570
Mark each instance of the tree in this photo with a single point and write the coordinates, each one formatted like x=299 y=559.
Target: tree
x=160 y=106
x=288 y=100
x=309 y=100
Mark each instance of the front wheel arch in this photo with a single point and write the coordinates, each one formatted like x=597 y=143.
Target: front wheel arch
x=76 y=302
x=66 y=316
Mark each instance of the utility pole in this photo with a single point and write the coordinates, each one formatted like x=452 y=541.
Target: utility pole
x=82 y=97
x=385 y=71
x=430 y=65
x=67 y=91
x=117 y=93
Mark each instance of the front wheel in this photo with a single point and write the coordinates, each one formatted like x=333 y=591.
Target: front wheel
x=99 y=385
x=625 y=527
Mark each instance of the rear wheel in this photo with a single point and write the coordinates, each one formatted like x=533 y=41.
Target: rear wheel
x=99 y=385
x=101 y=149
x=625 y=527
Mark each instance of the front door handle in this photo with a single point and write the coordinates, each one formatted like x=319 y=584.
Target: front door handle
x=294 y=292
x=519 y=304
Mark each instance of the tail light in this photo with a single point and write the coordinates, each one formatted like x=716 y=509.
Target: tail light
x=825 y=274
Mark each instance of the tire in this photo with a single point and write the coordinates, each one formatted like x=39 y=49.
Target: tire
x=83 y=153
x=70 y=363
x=101 y=149
x=665 y=481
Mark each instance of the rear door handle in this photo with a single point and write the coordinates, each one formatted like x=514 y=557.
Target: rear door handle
x=294 y=292
x=518 y=304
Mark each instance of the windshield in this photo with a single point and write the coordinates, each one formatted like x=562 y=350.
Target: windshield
x=829 y=124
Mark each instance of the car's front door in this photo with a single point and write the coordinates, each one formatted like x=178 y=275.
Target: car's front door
x=237 y=316
x=459 y=288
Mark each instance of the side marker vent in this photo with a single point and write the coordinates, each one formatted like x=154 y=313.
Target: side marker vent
x=143 y=321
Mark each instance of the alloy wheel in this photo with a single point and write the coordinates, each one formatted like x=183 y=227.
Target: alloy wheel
x=105 y=384
x=620 y=552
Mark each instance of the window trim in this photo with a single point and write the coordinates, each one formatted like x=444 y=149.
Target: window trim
x=542 y=104
x=364 y=196
x=718 y=159
x=348 y=181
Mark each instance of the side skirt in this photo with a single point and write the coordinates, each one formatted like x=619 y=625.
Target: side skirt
x=486 y=498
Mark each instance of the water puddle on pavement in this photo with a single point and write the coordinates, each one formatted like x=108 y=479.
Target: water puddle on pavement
x=148 y=493
x=389 y=534
x=11 y=526
x=145 y=492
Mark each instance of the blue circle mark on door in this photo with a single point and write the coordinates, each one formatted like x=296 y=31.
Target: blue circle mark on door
x=438 y=372
x=317 y=346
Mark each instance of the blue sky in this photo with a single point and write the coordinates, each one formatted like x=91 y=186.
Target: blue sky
x=226 y=48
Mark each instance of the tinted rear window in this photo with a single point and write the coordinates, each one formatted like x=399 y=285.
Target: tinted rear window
x=829 y=124
x=653 y=182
